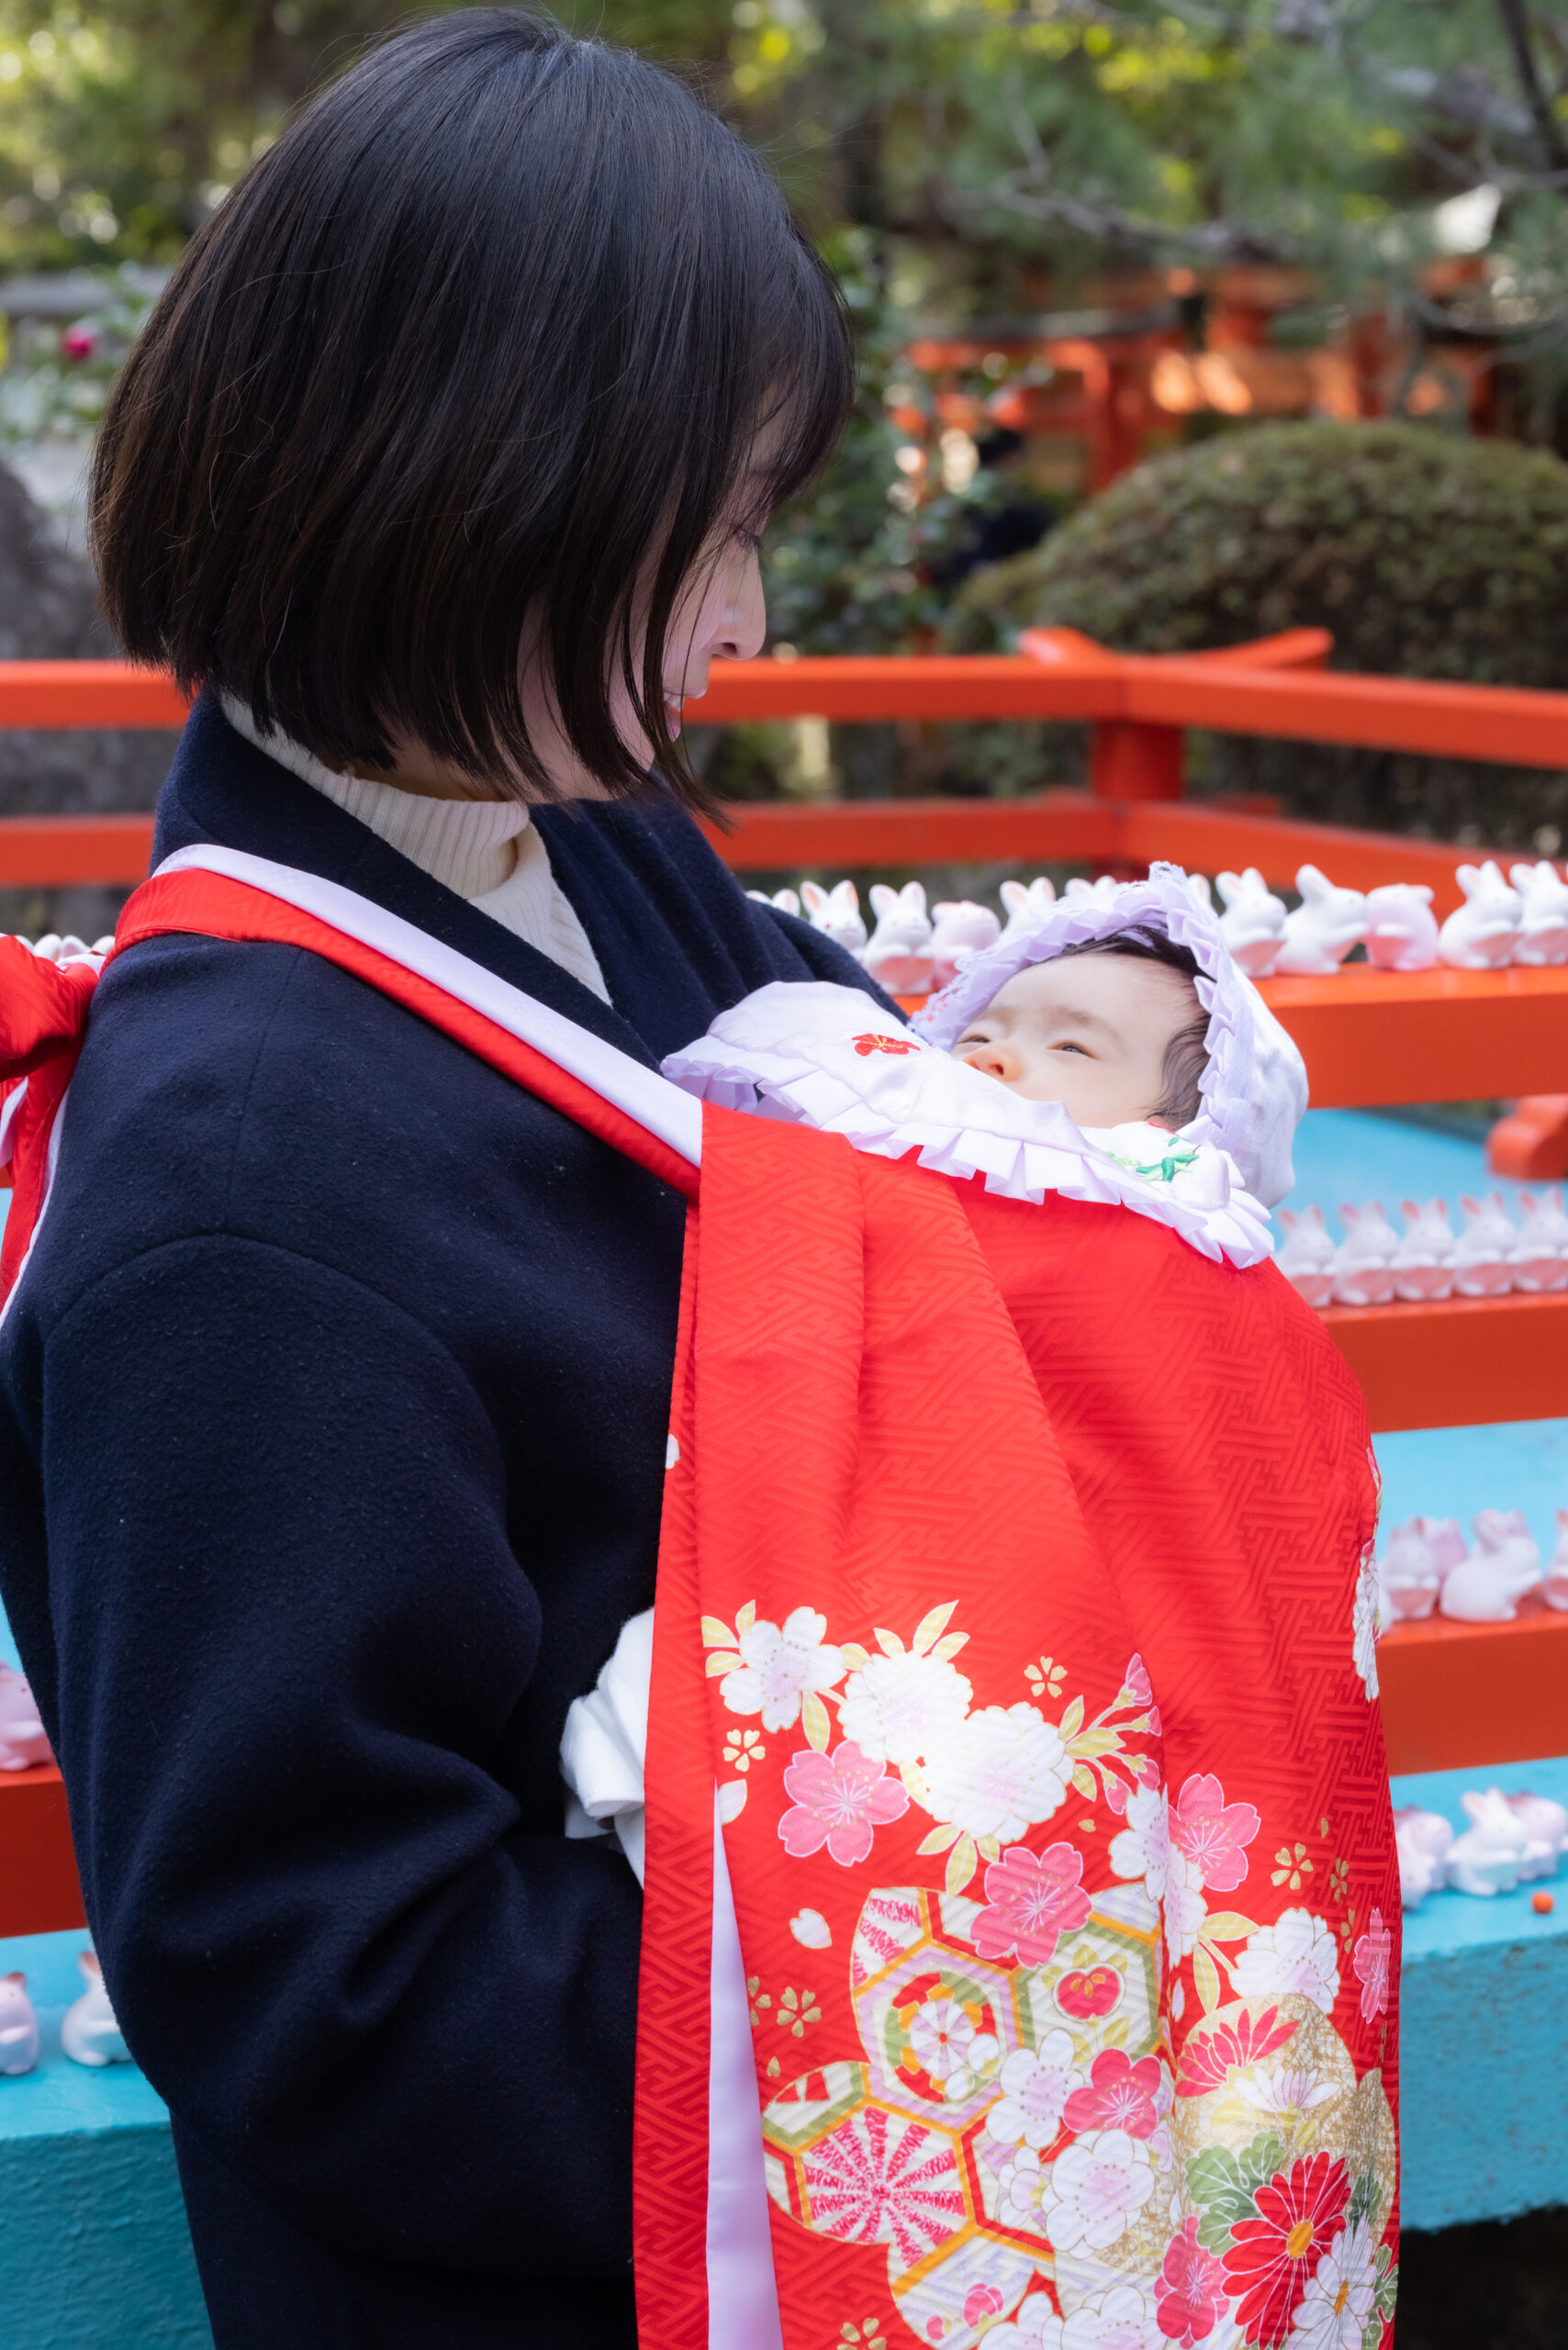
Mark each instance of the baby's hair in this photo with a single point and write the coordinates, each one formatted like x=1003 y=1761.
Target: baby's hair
x=483 y=344
x=1187 y=1054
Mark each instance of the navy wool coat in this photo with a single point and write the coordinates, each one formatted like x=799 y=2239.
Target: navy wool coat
x=332 y=1419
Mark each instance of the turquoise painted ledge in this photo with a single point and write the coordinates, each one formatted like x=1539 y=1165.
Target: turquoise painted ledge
x=1483 y=2031
x=94 y=2253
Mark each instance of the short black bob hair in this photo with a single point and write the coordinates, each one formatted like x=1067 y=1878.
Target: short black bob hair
x=482 y=344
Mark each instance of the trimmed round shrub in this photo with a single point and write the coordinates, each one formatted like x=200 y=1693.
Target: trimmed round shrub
x=1426 y=554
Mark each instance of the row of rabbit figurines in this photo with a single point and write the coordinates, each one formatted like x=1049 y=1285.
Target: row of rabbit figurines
x=1521 y=921
x=1511 y=1841
x=1429 y=1564
x=1376 y=1264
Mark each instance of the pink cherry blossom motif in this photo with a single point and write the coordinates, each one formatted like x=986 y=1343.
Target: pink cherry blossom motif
x=1032 y=1900
x=1120 y=2096
x=1212 y=1832
x=982 y=2300
x=1373 y=1959
x=839 y=1800
x=1138 y=1680
x=1190 y=2289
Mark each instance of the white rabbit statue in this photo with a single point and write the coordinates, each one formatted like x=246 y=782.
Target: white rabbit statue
x=1543 y=923
x=1306 y=1258
x=1423 y=1262
x=1446 y=1545
x=787 y=900
x=835 y=912
x=1407 y=1583
x=1363 y=1262
x=1026 y=907
x=1504 y=1565
x=1253 y=923
x=1324 y=927
x=19 y=2027
x=22 y=1739
x=1423 y=1841
x=1554 y=1576
x=88 y=2032
x=1540 y=1253
x=1402 y=929
x=1483 y=1253
x=1546 y=1823
x=898 y=955
x=961 y=928
x=1481 y=933
x=1104 y=888
x=1490 y=1857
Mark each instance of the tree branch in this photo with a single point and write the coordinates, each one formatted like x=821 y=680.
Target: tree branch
x=1515 y=25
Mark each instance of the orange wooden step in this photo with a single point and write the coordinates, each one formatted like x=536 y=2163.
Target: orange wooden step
x=39 y=1888
x=1373 y=1037
x=1460 y=1364
x=1465 y=1695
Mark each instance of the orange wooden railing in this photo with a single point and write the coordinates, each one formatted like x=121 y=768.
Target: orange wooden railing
x=1454 y=1693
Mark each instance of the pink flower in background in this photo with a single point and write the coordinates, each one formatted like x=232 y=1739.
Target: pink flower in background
x=1120 y=2096
x=1212 y=1832
x=1373 y=1959
x=1032 y=1900
x=1191 y=2288
x=839 y=1800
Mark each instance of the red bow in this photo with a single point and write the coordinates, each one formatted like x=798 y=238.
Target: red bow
x=43 y=1018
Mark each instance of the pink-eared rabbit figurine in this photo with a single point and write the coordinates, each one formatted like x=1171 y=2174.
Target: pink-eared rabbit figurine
x=1546 y=1824
x=1253 y=923
x=1306 y=1258
x=1490 y=1857
x=1423 y=1262
x=1402 y=930
x=1555 y=1575
x=1103 y=887
x=19 y=2027
x=1408 y=1582
x=1540 y=1252
x=787 y=900
x=22 y=1740
x=961 y=928
x=1505 y=1564
x=835 y=912
x=88 y=2032
x=898 y=955
x=1446 y=1545
x=1481 y=933
x=1026 y=907
x=1324 y=927
x=1363 y=1262
x=1423 y=1841
x=1483 y=1253
x=1543 y=924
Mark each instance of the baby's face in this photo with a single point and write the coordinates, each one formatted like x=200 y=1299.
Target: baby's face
x=1089 y=1031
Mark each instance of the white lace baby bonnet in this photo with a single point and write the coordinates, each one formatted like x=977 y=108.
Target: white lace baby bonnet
x=823 y=1056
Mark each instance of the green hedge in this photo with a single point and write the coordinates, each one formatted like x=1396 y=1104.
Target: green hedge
x=1426 y=554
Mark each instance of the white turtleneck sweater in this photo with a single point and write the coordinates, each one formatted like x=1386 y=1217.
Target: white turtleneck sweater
x=486 y=850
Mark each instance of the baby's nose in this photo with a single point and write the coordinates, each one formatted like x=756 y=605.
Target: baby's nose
x=995 y=1060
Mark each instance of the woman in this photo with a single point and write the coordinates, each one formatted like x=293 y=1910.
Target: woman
x=336 y=1391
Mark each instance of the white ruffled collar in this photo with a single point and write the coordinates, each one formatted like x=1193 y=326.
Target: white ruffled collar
x=824 y=1056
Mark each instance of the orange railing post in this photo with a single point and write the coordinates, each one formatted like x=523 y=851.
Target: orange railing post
x=1130 y=761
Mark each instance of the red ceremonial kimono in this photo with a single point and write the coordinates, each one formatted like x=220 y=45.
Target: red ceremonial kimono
x=1015 y=1622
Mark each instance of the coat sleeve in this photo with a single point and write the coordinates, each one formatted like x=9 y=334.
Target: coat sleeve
x=295 y=1644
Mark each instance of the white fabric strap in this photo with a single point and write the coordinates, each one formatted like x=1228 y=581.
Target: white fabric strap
x=650 y=1100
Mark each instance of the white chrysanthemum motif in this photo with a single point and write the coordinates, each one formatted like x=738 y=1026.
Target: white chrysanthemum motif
x=1001 y=1773
x=1143 y=1847
x=1364 y=1625
x=778 y=1666
x=1295 y=1953
x=1333 y=2312
x=897 y=1708
x=1035 y=2086
x=1095 y=2190
x=1287 y=2095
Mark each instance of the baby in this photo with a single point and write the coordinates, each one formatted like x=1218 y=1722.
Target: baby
x=1113 y=1053
x=1112 y=1028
